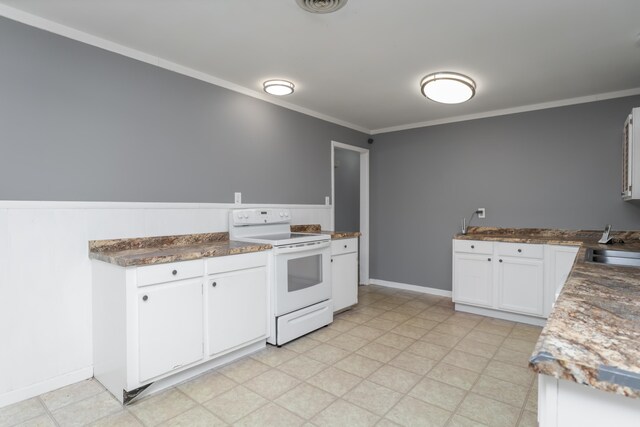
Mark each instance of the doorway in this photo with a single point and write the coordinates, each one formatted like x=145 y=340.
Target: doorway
x=350 y=197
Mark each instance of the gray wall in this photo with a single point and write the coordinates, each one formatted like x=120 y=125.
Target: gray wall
x=80 y=123
x=557 y=168
x=347 y=190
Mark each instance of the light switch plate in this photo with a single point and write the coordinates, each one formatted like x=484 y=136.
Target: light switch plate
x=482 y=213
x=237 y=198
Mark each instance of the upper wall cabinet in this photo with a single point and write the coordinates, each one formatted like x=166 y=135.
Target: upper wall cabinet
x=631 y=157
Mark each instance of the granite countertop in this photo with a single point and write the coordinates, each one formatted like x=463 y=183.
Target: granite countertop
x=592 y=336
x=159 y=250
x=316 y=228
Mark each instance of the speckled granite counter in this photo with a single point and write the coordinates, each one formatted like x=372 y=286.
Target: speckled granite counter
x=158 y=250
x=316 y=228
x=592 y=336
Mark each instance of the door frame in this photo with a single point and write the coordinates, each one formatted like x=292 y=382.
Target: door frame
x=364 y=204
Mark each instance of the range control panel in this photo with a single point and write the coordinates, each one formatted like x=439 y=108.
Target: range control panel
x=260 y=216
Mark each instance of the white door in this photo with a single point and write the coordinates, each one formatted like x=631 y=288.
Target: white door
x=170 y=327
x=520 y=285
x=472 y=279
x=344 y=280
x=237 y=307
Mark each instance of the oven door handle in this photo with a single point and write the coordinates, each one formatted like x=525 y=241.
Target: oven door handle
x=302 y=247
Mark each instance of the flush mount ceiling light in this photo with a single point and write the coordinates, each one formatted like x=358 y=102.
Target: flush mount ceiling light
x=321 y=6
x=278 y=87
x=447 y=87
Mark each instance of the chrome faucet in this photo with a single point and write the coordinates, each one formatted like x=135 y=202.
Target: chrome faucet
x=464 y=221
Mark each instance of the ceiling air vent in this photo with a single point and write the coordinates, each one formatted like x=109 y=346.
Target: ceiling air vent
x=321 y=6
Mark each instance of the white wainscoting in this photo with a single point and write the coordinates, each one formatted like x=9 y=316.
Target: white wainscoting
x=45 y=278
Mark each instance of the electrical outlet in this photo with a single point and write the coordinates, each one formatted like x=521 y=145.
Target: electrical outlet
x=482 y=213
x=327 y=200
x=238 y=198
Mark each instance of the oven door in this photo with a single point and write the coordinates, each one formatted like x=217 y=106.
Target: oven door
x=302 y=275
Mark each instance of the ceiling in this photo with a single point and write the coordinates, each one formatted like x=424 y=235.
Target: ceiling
x=362 y=64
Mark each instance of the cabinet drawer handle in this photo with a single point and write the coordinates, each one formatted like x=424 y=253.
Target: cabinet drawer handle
x=345 y=246
x=331 y=259
x=473 y=247
x=488 y=259
x=500 y=260
x=214 y=284
x=520 y=251
x=174 y=272
x=144 y=298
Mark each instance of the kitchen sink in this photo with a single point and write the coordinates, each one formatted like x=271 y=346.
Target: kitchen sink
x=613 y=257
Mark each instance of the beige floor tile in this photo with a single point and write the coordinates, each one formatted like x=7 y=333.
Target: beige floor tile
x=88 y=410
x=195 y=417
x=206 y=386
x=452 y=375
x=21 y=411
x=434 y=316
x=302 y=367
x=272 y=384
x=235 y=404
x=354 y=316
x=519 y=345
x=418 y=304
x=429 y=350
x=494 y=329
x=485 y=337
x=478 y=348
x=324 y=334
x=528 y=419
x=436 y=393
x=413 y=412
x=532 y=400
x=379 y=352
x=334 y=381
x=394 y=378
x=452 y=329
x=420 y=322
x=326 y=353
x=512 y=357
x=510 y=373
x=366 y=332
x=460 y=421
x=408 y=310
x=441 y=339
x=502 y=391
x=302 y=344
x=466 y=360
x=395 y=316
x=274 y=356
x=525 y=332
x=413 y=363
x=394 y=340
x=358 y=365
x=348 y=342
x=270 y=415
x=342 y=325
x=119 y=419
x=39 y=421
x=369 y=310
x=488 y=411
x=373 y=397
x=305 y=400
x=382 y=324
x=71 y=393
x=244 y=369
x=386 y=423
x=384 y=305
x=409 y=331
x=341 y=414
x=463 y=320
x=161 y=407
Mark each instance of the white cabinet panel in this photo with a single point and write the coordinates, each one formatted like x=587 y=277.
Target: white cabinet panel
x=473 y=279
x=170 y=325
x=520 y=285
x=237 y=307
x=558 y=263
x=473 y=246
x=344 y=280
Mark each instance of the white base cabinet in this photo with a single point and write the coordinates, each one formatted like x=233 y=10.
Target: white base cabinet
x=512 y=281
x=344 y=273
x=153 y=322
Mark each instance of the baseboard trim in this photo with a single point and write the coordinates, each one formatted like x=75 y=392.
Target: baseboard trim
x=408 y=287
x=514 y=317
x=36 y=389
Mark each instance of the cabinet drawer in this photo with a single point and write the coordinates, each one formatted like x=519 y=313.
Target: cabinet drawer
x=169 y=272
x=236 y=262
x=473 y=246
x=344 y=246
x=522 y=250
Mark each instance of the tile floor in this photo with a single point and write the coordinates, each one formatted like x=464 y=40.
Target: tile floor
x=398 y=358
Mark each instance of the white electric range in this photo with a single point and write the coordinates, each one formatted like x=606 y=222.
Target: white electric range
x=301 y=271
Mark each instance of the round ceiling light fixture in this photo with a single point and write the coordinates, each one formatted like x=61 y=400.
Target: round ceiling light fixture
x=278 y=87
x=447 y=87
x=321 y=6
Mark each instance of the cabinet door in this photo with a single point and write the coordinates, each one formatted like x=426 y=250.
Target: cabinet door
x=472 y=279
x=520 y=285
x=170 y=327
x=237 y=304
x=344 y=280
